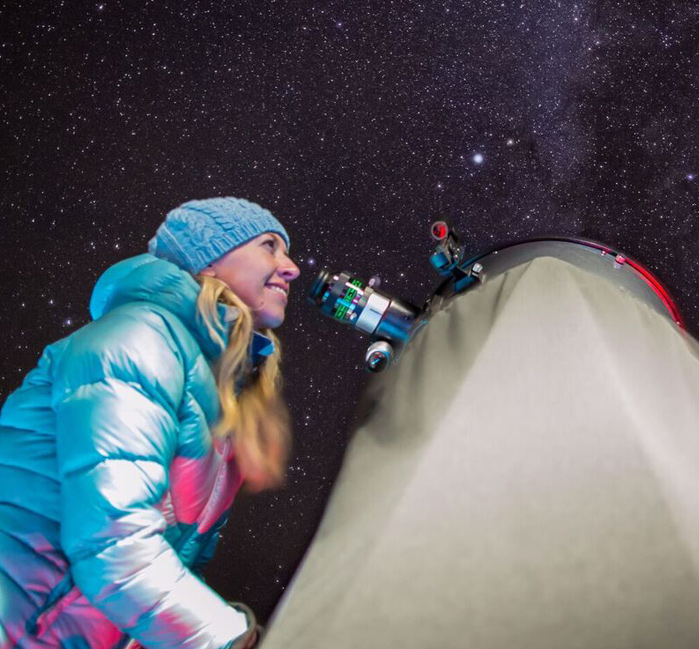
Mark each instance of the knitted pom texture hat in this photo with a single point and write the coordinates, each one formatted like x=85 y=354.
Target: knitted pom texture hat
x=199 y=232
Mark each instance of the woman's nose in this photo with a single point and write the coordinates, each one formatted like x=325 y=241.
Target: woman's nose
x=289 y=270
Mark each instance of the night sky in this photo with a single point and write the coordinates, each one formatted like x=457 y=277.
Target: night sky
x=357 y=124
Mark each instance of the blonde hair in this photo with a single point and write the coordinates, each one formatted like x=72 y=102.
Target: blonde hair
x=253 y=413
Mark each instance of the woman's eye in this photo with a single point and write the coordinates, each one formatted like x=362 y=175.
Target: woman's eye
x=270 y=242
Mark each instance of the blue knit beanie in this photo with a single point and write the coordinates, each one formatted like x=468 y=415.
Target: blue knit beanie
x=199 y=232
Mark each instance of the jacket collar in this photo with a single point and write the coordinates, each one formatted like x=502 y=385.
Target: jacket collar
x=145 y=278
x=261 y=347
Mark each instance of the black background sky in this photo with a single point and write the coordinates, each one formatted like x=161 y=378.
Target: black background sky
x=357 y=123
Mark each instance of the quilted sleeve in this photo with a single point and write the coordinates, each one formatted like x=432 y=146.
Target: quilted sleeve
x=117 y=390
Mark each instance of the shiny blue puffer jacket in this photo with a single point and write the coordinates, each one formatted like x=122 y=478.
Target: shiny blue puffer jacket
x=111 y=489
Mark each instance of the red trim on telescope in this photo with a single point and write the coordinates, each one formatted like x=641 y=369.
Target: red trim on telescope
x=659 y=289
x=647 y=276
x=644 y=273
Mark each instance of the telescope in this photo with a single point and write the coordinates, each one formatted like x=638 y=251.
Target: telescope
x=524 y=475
x=391 y=322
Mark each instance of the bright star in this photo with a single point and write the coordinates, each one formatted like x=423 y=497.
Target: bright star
x=478 y=158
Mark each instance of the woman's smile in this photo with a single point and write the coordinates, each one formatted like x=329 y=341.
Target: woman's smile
x=279 y=289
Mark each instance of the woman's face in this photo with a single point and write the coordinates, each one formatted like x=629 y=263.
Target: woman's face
x=259 y=273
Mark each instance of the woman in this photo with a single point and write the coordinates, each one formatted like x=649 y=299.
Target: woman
x=121 y=452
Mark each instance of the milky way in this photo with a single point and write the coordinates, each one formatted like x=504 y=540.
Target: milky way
x=357 y=123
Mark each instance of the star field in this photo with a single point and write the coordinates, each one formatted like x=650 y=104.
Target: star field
x=357 y=123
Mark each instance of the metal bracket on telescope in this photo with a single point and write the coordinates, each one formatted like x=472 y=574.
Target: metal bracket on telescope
x=468 y=278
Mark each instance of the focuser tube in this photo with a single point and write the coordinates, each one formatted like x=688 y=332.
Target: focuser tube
x=350 y=300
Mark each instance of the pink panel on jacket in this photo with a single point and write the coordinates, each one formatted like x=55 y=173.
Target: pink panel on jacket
x=191 y=483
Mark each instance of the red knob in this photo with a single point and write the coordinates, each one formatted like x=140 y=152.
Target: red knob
x=439 y=230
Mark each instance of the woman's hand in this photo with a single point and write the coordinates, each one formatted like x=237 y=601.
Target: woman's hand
x=252 y=636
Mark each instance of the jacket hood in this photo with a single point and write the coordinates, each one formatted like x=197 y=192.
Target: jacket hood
x=145 y=278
